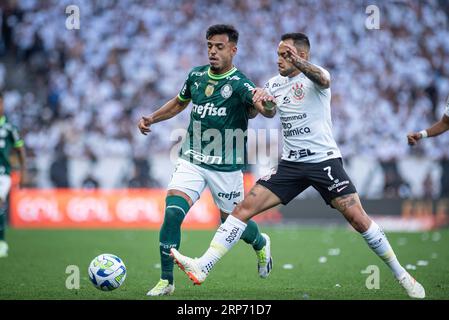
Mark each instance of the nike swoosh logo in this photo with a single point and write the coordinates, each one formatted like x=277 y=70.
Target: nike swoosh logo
x=338 y=190
x=277 y=96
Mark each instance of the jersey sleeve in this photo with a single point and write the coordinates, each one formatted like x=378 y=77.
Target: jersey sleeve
x=245 y=91
x=185 y=94
x=328 y=76
x=17 y=141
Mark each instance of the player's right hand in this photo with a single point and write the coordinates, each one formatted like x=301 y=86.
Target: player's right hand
x=413 y=138
x=144 y=125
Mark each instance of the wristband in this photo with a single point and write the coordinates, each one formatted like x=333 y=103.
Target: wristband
x=424 y=134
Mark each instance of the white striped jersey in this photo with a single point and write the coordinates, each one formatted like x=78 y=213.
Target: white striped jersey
x=305 y=114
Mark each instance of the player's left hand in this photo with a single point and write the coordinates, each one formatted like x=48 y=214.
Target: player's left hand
x=144 y=125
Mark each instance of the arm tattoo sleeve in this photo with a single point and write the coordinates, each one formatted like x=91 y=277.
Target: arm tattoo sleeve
x=312 y=72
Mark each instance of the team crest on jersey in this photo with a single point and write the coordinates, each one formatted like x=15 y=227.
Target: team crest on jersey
x=226 y=91
x=298 y=92
x=209 y=90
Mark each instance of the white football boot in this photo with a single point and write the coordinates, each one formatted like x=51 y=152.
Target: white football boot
x=3 y=249
x=162 y=288
x=414 y=288
x=264 y=259
x=190 y=267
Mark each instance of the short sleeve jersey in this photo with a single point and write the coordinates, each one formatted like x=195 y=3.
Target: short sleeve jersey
x=216 y=136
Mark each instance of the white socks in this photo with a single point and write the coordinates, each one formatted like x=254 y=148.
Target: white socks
x=378 y=242
x=227 y=235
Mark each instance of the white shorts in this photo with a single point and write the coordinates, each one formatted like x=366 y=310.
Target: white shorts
x=5 y=185
x=226 y=187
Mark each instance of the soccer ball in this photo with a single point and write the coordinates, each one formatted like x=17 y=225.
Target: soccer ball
x=107 y=272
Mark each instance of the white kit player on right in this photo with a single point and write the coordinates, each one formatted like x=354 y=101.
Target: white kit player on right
x=310 y=158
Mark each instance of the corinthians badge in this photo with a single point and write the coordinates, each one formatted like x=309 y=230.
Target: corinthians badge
x=298 y=91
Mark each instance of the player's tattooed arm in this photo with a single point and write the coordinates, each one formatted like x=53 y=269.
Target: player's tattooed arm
x=311 y=71
x=167 y=111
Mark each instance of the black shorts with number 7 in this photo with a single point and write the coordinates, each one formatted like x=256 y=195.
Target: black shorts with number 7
x=329 y=178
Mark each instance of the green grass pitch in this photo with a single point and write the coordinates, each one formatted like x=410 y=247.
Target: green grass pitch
x=36 y=266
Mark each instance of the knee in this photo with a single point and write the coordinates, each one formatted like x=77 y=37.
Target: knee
x=242 y=211
x=173 y=216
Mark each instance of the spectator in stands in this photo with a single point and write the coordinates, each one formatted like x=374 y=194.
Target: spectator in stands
x=445 y=177
x=59 y=168
x=90 y=182
x=393 y=76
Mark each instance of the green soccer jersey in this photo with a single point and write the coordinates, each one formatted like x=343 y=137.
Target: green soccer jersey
x=9 y=138
x=216 y=137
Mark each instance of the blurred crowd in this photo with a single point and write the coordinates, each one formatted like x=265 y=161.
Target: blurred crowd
x=87 y=88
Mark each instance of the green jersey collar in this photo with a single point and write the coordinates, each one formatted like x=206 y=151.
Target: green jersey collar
x=220 y=76
x=2 y=120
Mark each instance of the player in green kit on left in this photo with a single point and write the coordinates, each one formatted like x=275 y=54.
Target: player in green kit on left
x=222 y=104
x=9 y=140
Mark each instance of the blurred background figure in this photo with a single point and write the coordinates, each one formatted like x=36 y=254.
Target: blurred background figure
x=90 y=182
x=141 y=177
x=59 y=168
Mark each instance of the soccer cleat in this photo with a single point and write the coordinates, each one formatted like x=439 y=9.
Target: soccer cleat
x=190 y=267
x=3 y=249
x=162 y=288
x=414 y=288
x=265 y=261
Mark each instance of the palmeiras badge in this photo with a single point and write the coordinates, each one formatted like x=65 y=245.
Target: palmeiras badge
x=226 y=91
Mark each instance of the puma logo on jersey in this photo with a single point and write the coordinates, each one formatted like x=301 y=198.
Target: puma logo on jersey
x=209 y=110
x=233 y=78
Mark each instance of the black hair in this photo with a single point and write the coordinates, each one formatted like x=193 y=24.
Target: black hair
x=229 y=30
x=299 y=39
